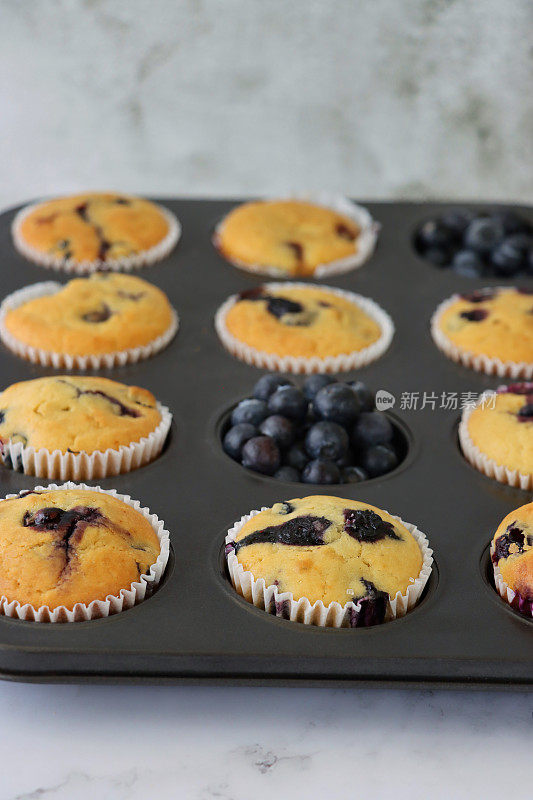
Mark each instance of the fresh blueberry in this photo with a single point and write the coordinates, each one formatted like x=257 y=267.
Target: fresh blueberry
x=314 y=383
x=378 y=460
x=289 y=402
x=468 y=264
x=364 y=395
x=326 y=440
x=523 y=242
x=267 y=385
x=507 y=258
x=297 y=456
x=372 y=428
x=261 y=454
x=439 y=256
x=457 y=221
x=483 y=234
x=319 y=471
x=249 y=410
x=511 y=222
x=353 y=475
x=337 y=403
x=347 y=460
x=236 y=438
x=434 y=235
x=280 y=428
x=287 y=474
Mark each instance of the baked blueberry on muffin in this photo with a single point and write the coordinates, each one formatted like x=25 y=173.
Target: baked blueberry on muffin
x=489 y=330
x=60 y=547
x=496 y=435
x=79 y=416
x=94 y=230
x=295 y=327
x=294 y=237
x=512 y=559
x=323 y=550
x=105 y=313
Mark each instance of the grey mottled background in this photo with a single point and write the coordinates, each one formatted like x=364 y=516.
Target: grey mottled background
x=375 y=98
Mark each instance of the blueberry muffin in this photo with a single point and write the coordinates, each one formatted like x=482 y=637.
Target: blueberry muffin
x=74 y=414
x=101 y=314
x=303 y=323
x=68 y=546
x=512 y=558
x=95 y=229
x=488 y=325
x=497 y=434
x=331 y=550
x=290 y=237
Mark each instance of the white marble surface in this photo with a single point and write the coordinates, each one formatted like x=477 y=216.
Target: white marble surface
x=202 y=743
x=389 y=98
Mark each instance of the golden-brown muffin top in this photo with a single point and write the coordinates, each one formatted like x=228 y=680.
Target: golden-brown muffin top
x=68 y=546
x=497 y=323
x=94 y=226
x=329 y=549
x=502 y=427
x=292 y=236
x=76 y=413
x=103 y=313
x=513 y=550
x=301 y=321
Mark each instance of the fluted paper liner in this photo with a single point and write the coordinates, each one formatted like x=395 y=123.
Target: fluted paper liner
x=300 y=364
x=335 y=615
x=479 y=363
x=48 y=358
x=144 y=258
x=514 y=599
x=366 y=240
x=479 y=460
x=113 y=604
x=57 y=464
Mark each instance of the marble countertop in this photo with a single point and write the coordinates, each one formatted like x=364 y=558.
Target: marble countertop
x=115 y=742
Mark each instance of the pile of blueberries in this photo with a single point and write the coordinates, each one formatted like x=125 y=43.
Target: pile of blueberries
x=327 y=432
x=478 y=245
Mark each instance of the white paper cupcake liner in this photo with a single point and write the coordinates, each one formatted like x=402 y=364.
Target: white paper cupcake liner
x=366 y=241
x=113 y=604
x=81 y=465
x=480 y=460
x=335 y=615
x=514 y=599
x=48 y=358
x=300 y=364
x=127 y=264
x=480 y=363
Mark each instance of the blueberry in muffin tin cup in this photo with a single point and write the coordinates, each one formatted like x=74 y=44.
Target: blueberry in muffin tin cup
x=113 y=604
x=366 y=241
x=299 y=364
x=480 y=460
x=522 y=604
x=47 y=358
x=350 y=615
x=126 y=264
x=56 y=464
x=479 y=363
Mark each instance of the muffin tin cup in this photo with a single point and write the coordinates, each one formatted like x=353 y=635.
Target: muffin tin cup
x=335 y=615
x=521 y=604
x=299 y=364
x=48 y=358
x=479 y=363
x=366 y=241
x=481 y=461
x=127 y=264
x=57 y=464
x=113 y=604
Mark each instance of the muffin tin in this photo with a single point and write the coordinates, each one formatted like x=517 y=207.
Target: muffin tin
x=195 y=628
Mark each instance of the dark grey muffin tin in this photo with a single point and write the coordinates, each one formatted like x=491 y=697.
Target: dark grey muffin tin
x=195 y=628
